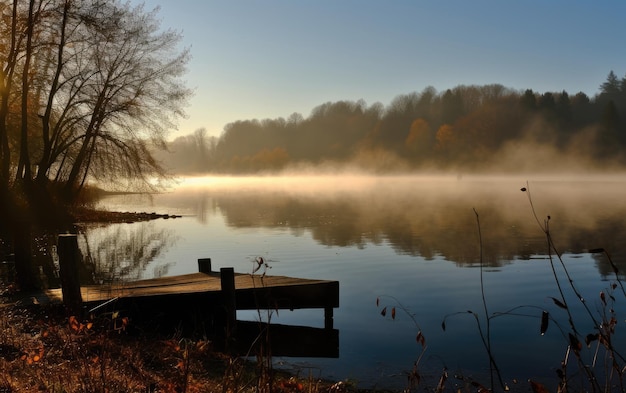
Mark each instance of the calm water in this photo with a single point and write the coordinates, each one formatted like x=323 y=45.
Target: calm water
x=412 y=242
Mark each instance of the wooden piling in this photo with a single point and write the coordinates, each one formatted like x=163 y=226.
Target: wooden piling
x=204 y=265
x=67 y=250
x=227 y=281
x=227 y=278
x=328 y=318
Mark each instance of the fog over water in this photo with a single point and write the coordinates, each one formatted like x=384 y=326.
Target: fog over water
x=420 y=214
x=414 y=238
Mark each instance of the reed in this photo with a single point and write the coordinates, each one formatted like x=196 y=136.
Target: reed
x=600 y=370
x=604 y=322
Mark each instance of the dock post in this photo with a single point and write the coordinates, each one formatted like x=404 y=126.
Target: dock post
x=204 y=265
x=328 y=318
x=67 y=250
x=227 y=278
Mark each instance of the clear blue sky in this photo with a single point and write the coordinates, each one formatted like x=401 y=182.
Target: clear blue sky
x=270 y=58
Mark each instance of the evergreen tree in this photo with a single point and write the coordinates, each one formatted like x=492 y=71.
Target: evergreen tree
x=529 y=100
x=612 y=85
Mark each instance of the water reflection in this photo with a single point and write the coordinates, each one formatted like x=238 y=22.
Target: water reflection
x=123 y=251
x=423 y=217
x=431 y=220
x=404 y=237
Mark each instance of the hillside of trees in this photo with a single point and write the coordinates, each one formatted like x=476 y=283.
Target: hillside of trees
x=466 y=128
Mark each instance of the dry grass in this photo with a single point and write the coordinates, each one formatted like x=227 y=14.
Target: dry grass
x=41 y=350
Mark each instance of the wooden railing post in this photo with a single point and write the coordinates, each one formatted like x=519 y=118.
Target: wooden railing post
x=204 y=265
x=328 y=318
x=227 y=278
x=67 y=249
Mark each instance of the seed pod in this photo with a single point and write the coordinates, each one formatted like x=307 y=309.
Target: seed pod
x=545 y=318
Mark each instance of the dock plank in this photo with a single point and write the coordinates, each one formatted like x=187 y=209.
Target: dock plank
x=188 y=283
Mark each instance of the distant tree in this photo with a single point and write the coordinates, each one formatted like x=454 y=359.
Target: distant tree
x=451 y=106
x=396 y=121
x=582 y=110
x=528 y=100
x=240 y=138
x=485 y=129
x=193 y=153
x=398 y=117
x=611 y=86
x=494 y=92
x=295 y=118
x=564 y=108
x=424 y=106
x=607 y=139
x=447 y=140
x=547 y=103
x=610 y=122
x=267 y=159
x=471 y=96
x=182 y=155
x=581 y=99
x=420 y=141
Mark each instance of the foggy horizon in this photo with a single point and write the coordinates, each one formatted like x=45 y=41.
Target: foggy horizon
x=468 y=129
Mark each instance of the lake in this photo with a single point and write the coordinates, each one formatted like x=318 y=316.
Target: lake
x=421 y=244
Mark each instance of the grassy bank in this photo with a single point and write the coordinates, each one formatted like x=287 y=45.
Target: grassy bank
x=43 y=350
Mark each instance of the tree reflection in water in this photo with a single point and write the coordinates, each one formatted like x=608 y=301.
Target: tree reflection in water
x=434 y=221
x=122 y=252
x=426 y=217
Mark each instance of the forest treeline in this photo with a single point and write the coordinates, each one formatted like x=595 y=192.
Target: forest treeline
x=466 y=127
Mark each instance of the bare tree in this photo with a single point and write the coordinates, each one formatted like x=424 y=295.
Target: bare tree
x=104 y=80
x=100 y=87
x=9 y=49
x=132 y=97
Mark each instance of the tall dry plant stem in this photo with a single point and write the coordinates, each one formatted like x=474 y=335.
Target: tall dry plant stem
x=574 y=337
x=486 y=339
x=552 y=247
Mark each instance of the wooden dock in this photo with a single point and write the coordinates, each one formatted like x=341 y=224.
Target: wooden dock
x=252 y=292
x=207 y=301
x=211 y=282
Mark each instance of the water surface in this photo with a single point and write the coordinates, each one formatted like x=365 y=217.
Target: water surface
x=416 y=243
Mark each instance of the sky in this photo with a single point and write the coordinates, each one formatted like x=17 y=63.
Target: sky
x=258 y=59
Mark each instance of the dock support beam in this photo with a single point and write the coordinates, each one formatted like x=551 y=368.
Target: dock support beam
x=328 y=318
x=227 y=277
x=67 y=249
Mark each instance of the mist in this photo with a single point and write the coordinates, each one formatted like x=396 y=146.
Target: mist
x=396 y=168
x=424 y=215
x=468 y=129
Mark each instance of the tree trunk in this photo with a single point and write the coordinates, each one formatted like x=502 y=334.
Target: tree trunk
x=6 y=77
x=22 y=250
x=46 y=160
x=23 y=168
